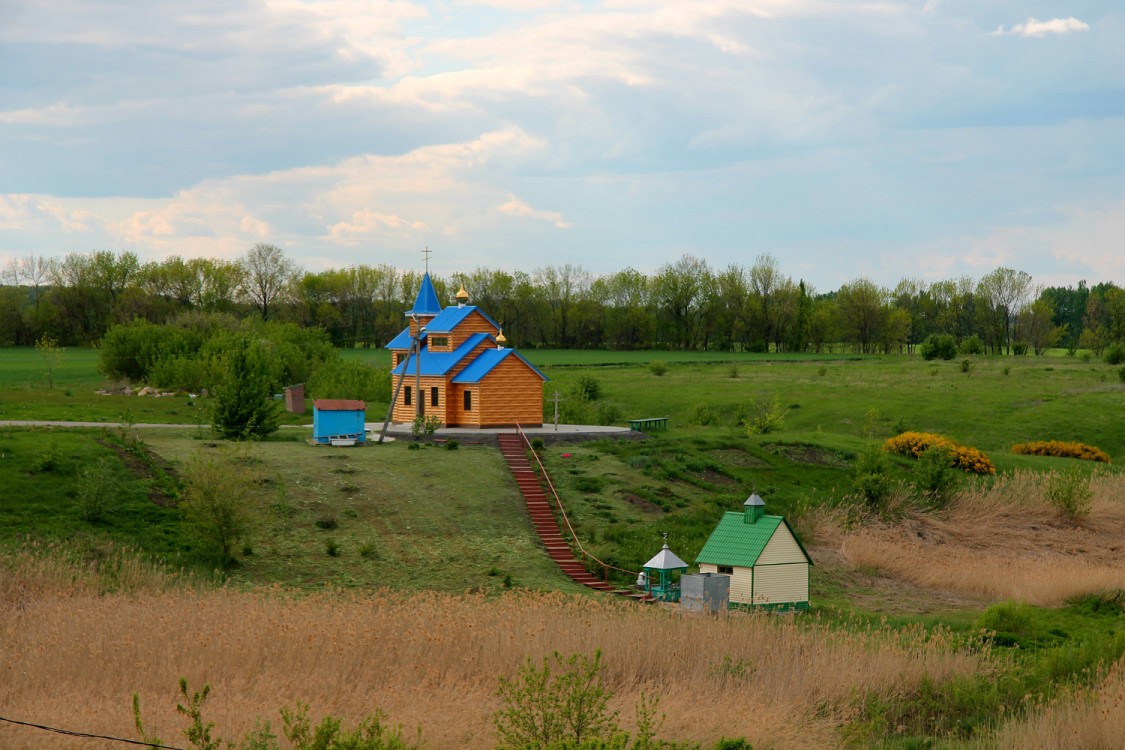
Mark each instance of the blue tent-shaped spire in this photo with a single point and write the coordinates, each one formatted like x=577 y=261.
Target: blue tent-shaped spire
x=426 y=303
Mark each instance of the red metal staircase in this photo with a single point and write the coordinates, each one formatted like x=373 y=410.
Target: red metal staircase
x=514 y=448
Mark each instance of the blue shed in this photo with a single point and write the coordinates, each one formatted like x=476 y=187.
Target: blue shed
x=338 y=421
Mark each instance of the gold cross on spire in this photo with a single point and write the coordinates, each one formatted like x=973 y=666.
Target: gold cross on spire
x=426 y=254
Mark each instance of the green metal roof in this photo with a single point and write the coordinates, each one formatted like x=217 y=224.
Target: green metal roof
x=737 y=543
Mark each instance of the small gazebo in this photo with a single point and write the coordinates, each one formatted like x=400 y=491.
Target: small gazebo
x=659 y=578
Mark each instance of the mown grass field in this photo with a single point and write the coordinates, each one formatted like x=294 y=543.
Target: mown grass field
x=450 y=521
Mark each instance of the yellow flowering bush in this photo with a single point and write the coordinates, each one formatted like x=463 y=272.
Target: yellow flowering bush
x=1062 y=449
x=965 y=458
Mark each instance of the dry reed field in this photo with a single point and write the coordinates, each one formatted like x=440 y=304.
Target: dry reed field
x=1092 y=719
x=1001 y=542
x=72 y=656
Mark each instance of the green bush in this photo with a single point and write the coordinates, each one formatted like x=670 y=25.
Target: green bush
x=587 y=388
x=1019 y=349
x=872 y=479
x=96 y=490
x=762 y=417
x=564 y=700
x=244 y=407
x=1010 y=617
x=972 y=345
x=1069 y=491
x=1115 y=355
x=339 y=378
x=1121 y=374
x=938 y=346
x=935 y=476
x=658 y=368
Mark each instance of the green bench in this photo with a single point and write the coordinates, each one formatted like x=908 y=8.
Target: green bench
x=655 y=423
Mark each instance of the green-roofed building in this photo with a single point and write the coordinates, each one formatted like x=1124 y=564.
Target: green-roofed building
x=767 y=563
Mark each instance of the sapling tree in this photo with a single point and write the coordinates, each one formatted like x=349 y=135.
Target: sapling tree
x=52 y=354
x=214 y=507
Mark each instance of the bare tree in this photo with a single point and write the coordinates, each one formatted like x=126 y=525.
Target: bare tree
x=267 y=275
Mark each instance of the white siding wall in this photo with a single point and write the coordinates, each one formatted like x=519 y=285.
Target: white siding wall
x=740 y=582
x=781 y=583
x=782 y=548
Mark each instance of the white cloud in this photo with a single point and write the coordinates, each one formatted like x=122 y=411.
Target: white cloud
x=1033 y=27
x=515 y=207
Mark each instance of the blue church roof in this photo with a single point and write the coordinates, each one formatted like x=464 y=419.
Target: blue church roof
x=437 y=364
x=452 y=316
x=402 y=341
x=486 y=362
x=426 y=303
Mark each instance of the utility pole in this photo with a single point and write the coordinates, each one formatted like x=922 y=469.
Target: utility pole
x=557 y=398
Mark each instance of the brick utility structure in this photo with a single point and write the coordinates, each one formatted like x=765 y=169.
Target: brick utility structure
x=452 y=363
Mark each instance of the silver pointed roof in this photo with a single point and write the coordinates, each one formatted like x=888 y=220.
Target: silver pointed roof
x=755 y=501
x=665 y=559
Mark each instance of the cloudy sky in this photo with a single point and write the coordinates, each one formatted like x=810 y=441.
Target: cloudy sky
x=931 y=139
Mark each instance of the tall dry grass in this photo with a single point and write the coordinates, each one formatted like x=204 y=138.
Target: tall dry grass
x=1090 y=719
x=72 y=658
x=1003 y=541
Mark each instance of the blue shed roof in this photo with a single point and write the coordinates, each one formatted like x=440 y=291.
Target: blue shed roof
x=439 y=363
x=486 y=362
x=426 y=303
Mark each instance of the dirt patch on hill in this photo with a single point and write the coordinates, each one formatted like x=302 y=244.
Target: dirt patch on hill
x=639 y=502
x=736 y=457
x=710 y=476
x=808 y=454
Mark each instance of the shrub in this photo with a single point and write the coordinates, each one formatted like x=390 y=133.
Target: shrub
x=1008 y=618
x=48 y=459
x=327 y=522
x=609 y=413
x=1019 y=349
x=872 y=479
x=214 y=507
x=1121 y=374
x=452 y=445
x=914 y=444
x=537 y=444
x=763 y=416
x=331 y=547
x=564 y=700
x=972 y=345
x=587 y=388
x=966 y=366
x=938 y=346
x=935 y=475
x=658 y=367
x=95 y=490
x=244 y=406
x=1115 y=355
x=1069 y=491
x=338 y=378
x=1061 y=449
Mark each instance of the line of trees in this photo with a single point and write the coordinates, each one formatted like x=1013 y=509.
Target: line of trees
x=686 y=304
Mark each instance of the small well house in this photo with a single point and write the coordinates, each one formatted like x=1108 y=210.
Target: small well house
x=339 y=421
x=767 y=564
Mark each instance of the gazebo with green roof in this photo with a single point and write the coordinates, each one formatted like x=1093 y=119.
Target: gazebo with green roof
x=767 y=563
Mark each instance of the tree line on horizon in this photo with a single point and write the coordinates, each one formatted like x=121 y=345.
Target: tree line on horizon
x=684 y=305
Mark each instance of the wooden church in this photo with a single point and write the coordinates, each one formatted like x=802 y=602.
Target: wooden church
x=453 y=364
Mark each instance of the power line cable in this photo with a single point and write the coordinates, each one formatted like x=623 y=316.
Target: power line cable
x=72 y=733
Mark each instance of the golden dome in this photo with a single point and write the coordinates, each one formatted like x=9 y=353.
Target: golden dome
x=501 y=339
x=462 y=295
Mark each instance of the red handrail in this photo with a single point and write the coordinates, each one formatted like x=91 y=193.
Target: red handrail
x=566 y=519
